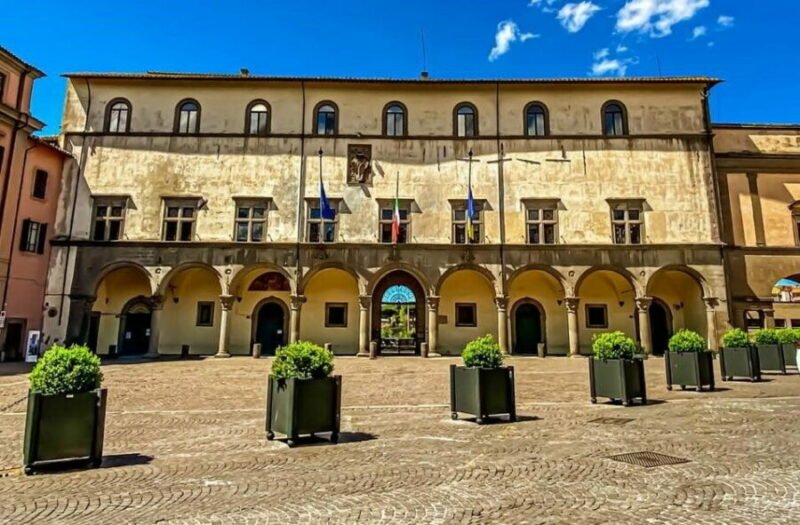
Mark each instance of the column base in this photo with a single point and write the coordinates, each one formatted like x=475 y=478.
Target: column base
x=576 y=356
x=362 y=354
x=222 y=354
x=434 y=354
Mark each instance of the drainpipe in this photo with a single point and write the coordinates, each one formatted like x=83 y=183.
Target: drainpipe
x=501 y=193
x=19 y=124
x=301 y=187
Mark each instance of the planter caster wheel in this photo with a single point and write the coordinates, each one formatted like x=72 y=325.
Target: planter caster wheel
x=28 y=471
x=594 y=400
x=453 y=415
x=334 y=438
x=479 y=420
x=626 y=403
x=290 y=443
x=669 y=387
x=95 y=463
x=683 y=387
x=270 y=435
x=698 y=389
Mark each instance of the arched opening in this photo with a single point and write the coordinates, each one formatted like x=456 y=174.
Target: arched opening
x=466 y=308
x=607 y=299
x=331 y=311
x=529 y=327
x=117 y=291
x=660 y=326
x=677 y=305
x=398 y=314
x=269 y=329
x=191 y=316
x=253 y=287
x=543 y=288
x=134 y=327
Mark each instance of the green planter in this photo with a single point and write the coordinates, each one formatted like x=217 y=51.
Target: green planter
x=64 y=429
x=482 y=392
x=771 y=358
x=690 y=369
x=789 y=354
x=739 y=362
x=303 y=406
x=615 y=379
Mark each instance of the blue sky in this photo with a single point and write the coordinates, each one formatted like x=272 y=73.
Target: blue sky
x=751 y=45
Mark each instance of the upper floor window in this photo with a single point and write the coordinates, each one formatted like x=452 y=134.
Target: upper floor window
x=251 y=220
x=257 y=118
x=466 y=120
x=319 y=228
x=180 y=216
x=118 y=113
x=627 y=222
x=467 y=229
x=34 y=236
x=395 y=224
x=109 y=218
x=325 y=119
x=187 y=117
x=615 y=119
x=541 y=219
x=2 y=87
x=536 y=121
x=394 y=120
x=795 y=209
x=40 y=184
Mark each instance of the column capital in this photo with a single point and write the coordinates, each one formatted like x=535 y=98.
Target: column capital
x=433 y=302
x=364 y=301
x=711 y=303
x=768 y=312
x=571 y=303
x=296 y=301
x=227 y=301
x=157 y=302
x=643 y=303
x=501 y=301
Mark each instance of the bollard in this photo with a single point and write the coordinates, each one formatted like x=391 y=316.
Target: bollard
x=541 y=350
x=184 y=351
x=373 y=349
x=256 y=350
x=423 y=349
x=328 y=347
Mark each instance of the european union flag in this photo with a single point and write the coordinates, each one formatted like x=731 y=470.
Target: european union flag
x=472 y=215
x=325 y=208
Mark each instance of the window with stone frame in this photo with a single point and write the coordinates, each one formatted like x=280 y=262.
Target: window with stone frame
x=460 y=224
x=465 y=120
x=109 y=218
x=2 y=87
x=40 y=184
x=180 y=218
x=627 y=221
x=319 y=229
x=205 y=313
x=541 y=222
x=466 y=315
x=187 y=117
x=596 y=316
x=386 y=220
x=335 y=315
x=325 y=119
x=394 y=120
x=615 y=119
x=257 y=118
x=795 y=209
x=34 y=236
x=118 y=116
x=251 y=220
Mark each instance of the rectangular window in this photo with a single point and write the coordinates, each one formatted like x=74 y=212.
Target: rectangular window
x=596 y=316
x=386 y=221
x=627 y=223
x=34 y=236
x=109 y=218
x=780 y=323
x=466 y=315
x=205 y=313
x=541 y=223
x=335 y=315
x=179 y=220
x=40 y=184
x=319 y=229
x=795 y=323
x=2 y=88
x=251 y=221
x=461 y=226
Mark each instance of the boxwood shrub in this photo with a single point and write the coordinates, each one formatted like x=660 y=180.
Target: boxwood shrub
x=766 y=336
x=302 y=360
x=61 y=370
x=613 y=345
x=735 y=338
x=483 y=352
x=687 y=341
x=788 y=335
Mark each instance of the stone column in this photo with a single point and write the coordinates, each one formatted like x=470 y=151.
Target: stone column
x=157 y=309
x=433 y=326
x=502 y=322
x=86 y=318
x=645 y=335
x=294 y=317
x=571 y=303
x=364 y=305
x=227 y=305
x=769 y=317
x=711 y=321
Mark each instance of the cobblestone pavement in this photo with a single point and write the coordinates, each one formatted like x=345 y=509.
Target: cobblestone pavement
x=185 y=444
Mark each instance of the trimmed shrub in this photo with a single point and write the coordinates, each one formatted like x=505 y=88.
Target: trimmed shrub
x=302 y=360
x=613 y=345
x=687 y=341
x=483 y=352
x=788 y=335
x=766 y=336
x=61 y=370
x=735 y=338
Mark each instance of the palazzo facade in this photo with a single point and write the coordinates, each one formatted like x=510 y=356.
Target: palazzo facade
x=192 y=222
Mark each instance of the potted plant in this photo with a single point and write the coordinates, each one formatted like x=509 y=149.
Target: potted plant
x=66 y=410
x=770 y=355
x=787 y=339
x=737 y=357
x=614 y=372
x=689 y=362
x=302 y=397
x=482 y=387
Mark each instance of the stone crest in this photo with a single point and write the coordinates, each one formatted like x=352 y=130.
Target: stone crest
x=359 y=164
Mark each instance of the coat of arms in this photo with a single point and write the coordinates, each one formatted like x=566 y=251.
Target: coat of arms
x=359 y=164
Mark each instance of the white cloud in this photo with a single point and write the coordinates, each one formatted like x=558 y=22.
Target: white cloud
x=545 y=5
x=656 y=17
x=507 y=32
x=601 y=54
x=574 y=16
x=725 y=21
x=698 y=31
x=608 y=66
x=621 y=48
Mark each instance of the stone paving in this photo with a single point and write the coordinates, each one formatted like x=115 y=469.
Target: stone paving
x=185 y=444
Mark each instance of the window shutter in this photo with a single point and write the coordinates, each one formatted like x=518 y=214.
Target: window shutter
x=42 y=238
x=23 y=239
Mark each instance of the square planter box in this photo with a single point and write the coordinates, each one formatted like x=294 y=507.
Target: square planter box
x=617 y=379
x=790 y=353
x=690 y=369
x=771 y=358
x=739 y=362
x=303 y=406
x=64 y=429
x=482 y=392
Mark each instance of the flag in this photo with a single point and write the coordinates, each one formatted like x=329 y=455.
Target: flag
x=396 y=213
x=325 y=209
x=472 y=215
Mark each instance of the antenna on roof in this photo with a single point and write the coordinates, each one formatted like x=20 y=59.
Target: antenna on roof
x=424 y=74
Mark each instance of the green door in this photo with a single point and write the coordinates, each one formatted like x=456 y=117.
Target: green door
x=528 y=323
x=269 y=328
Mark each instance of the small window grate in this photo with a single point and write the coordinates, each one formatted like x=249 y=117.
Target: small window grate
x=610 y=421
x=648 y=459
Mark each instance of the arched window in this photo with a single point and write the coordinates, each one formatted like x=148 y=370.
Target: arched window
x=187 y=117
x=615 y=119
x=465 y=120
x=325 y=119
x=536 y=120
x=118 y=114
x=394 y=120
x=257 y=118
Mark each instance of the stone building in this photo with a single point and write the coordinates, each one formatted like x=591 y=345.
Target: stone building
x=192 y=222
x=30 y=179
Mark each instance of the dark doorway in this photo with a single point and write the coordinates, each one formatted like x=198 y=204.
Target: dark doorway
x=660 y=327
x=398 y=314
x=269 y=329
x=135 y=329
x=94 y=331
x=528 y=332
x=12 y=347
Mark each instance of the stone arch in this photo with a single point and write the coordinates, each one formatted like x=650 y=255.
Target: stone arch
x=331 y=265
x=467 y=297
x=177 y=270
x=331 y=307
x=240 y=275
x=681 y=291
x=402 y=277
x=119 y=265
x=548 y=288
x=515 y=343
x=698 y=277
x=493 y=282
x=626 y=274
x=607 y=297
x=380 y=274
x=565 y=287
x=277 y=339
